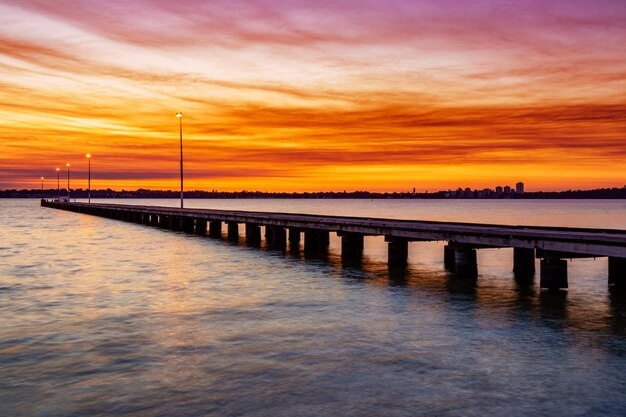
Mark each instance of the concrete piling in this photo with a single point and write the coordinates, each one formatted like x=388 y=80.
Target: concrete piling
x=316 y=240
x=523 y=261
x=617 y=273
x=276 y=236
x=465 y=263
x=294 y=236
x=397 y=251
x=448 y=258
x=233 y=231
x=323 y=239
x=253 y=233
x=553 y=273
x=176 y=223
x=269 y=235
x=215 y=228
x=351 y=245
x=460 y=259
x=165 y=221
x=310 y=241
x=188 y=225
x=201 y=226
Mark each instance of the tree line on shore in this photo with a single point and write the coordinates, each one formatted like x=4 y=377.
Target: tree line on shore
x=600 y=193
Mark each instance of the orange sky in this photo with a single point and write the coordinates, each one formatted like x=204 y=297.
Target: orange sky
x=326 y=95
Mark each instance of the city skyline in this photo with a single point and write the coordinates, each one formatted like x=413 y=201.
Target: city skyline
x=385 y=96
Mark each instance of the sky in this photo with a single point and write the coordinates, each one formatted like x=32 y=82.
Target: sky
x=379 y=95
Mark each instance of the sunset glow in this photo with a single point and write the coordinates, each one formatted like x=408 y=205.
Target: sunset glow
x=326 y=95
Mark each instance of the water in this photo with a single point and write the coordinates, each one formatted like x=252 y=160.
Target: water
x=101 y=317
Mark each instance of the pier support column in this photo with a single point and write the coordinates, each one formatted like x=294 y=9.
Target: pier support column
x=351 y=245
x=175 y=223
x=465 y=263
x=324 y=238
x=215 y=228
x=233 y=231
x=553 y=273
x=188 y=225
x=201 y=225
x=448 y=258
x=523 y=261
x=316 y=240
x=154 y=220
x=617 y=273
x=397 y=251
x=310 y=241
x=164 y=222
x=280 y=237
x=294 y=236
x=269 y=236
x=253 y=233
x=276 y=236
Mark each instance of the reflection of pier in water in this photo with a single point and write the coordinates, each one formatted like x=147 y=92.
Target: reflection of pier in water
x=550 y=244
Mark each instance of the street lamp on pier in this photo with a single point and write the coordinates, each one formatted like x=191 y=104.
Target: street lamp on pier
x=68 y=181
x=180 y=119
x=89 y=176
x=58 y=184
x=42 y=185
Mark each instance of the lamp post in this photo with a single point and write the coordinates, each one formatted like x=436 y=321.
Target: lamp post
x=58 y=184
x=42 y=185
x=89 y=177
x=68 y=181
x=180 y=119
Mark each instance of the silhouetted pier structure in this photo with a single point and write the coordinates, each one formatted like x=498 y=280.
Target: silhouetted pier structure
x=553 y=245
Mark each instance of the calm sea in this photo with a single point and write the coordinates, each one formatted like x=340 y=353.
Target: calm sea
x=100 y=317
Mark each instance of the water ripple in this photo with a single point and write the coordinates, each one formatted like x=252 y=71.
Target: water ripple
x=100 y=317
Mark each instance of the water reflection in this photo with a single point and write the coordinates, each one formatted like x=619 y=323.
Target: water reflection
x=152 y=322
x=553 y=306
x=617 y=312
x=523 y=294
x=461 y=284
x=524 y=278
x=525 y=291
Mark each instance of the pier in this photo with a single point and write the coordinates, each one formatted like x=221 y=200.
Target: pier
x=552 y=245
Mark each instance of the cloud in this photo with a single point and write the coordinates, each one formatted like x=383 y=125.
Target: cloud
x=294 y=89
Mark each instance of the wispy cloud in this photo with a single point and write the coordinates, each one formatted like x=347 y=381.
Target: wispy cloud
x=281 y=91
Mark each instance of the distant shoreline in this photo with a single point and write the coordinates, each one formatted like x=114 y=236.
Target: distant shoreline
x=602 y=193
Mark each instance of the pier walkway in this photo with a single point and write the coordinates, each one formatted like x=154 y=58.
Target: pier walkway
x=552 y=245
